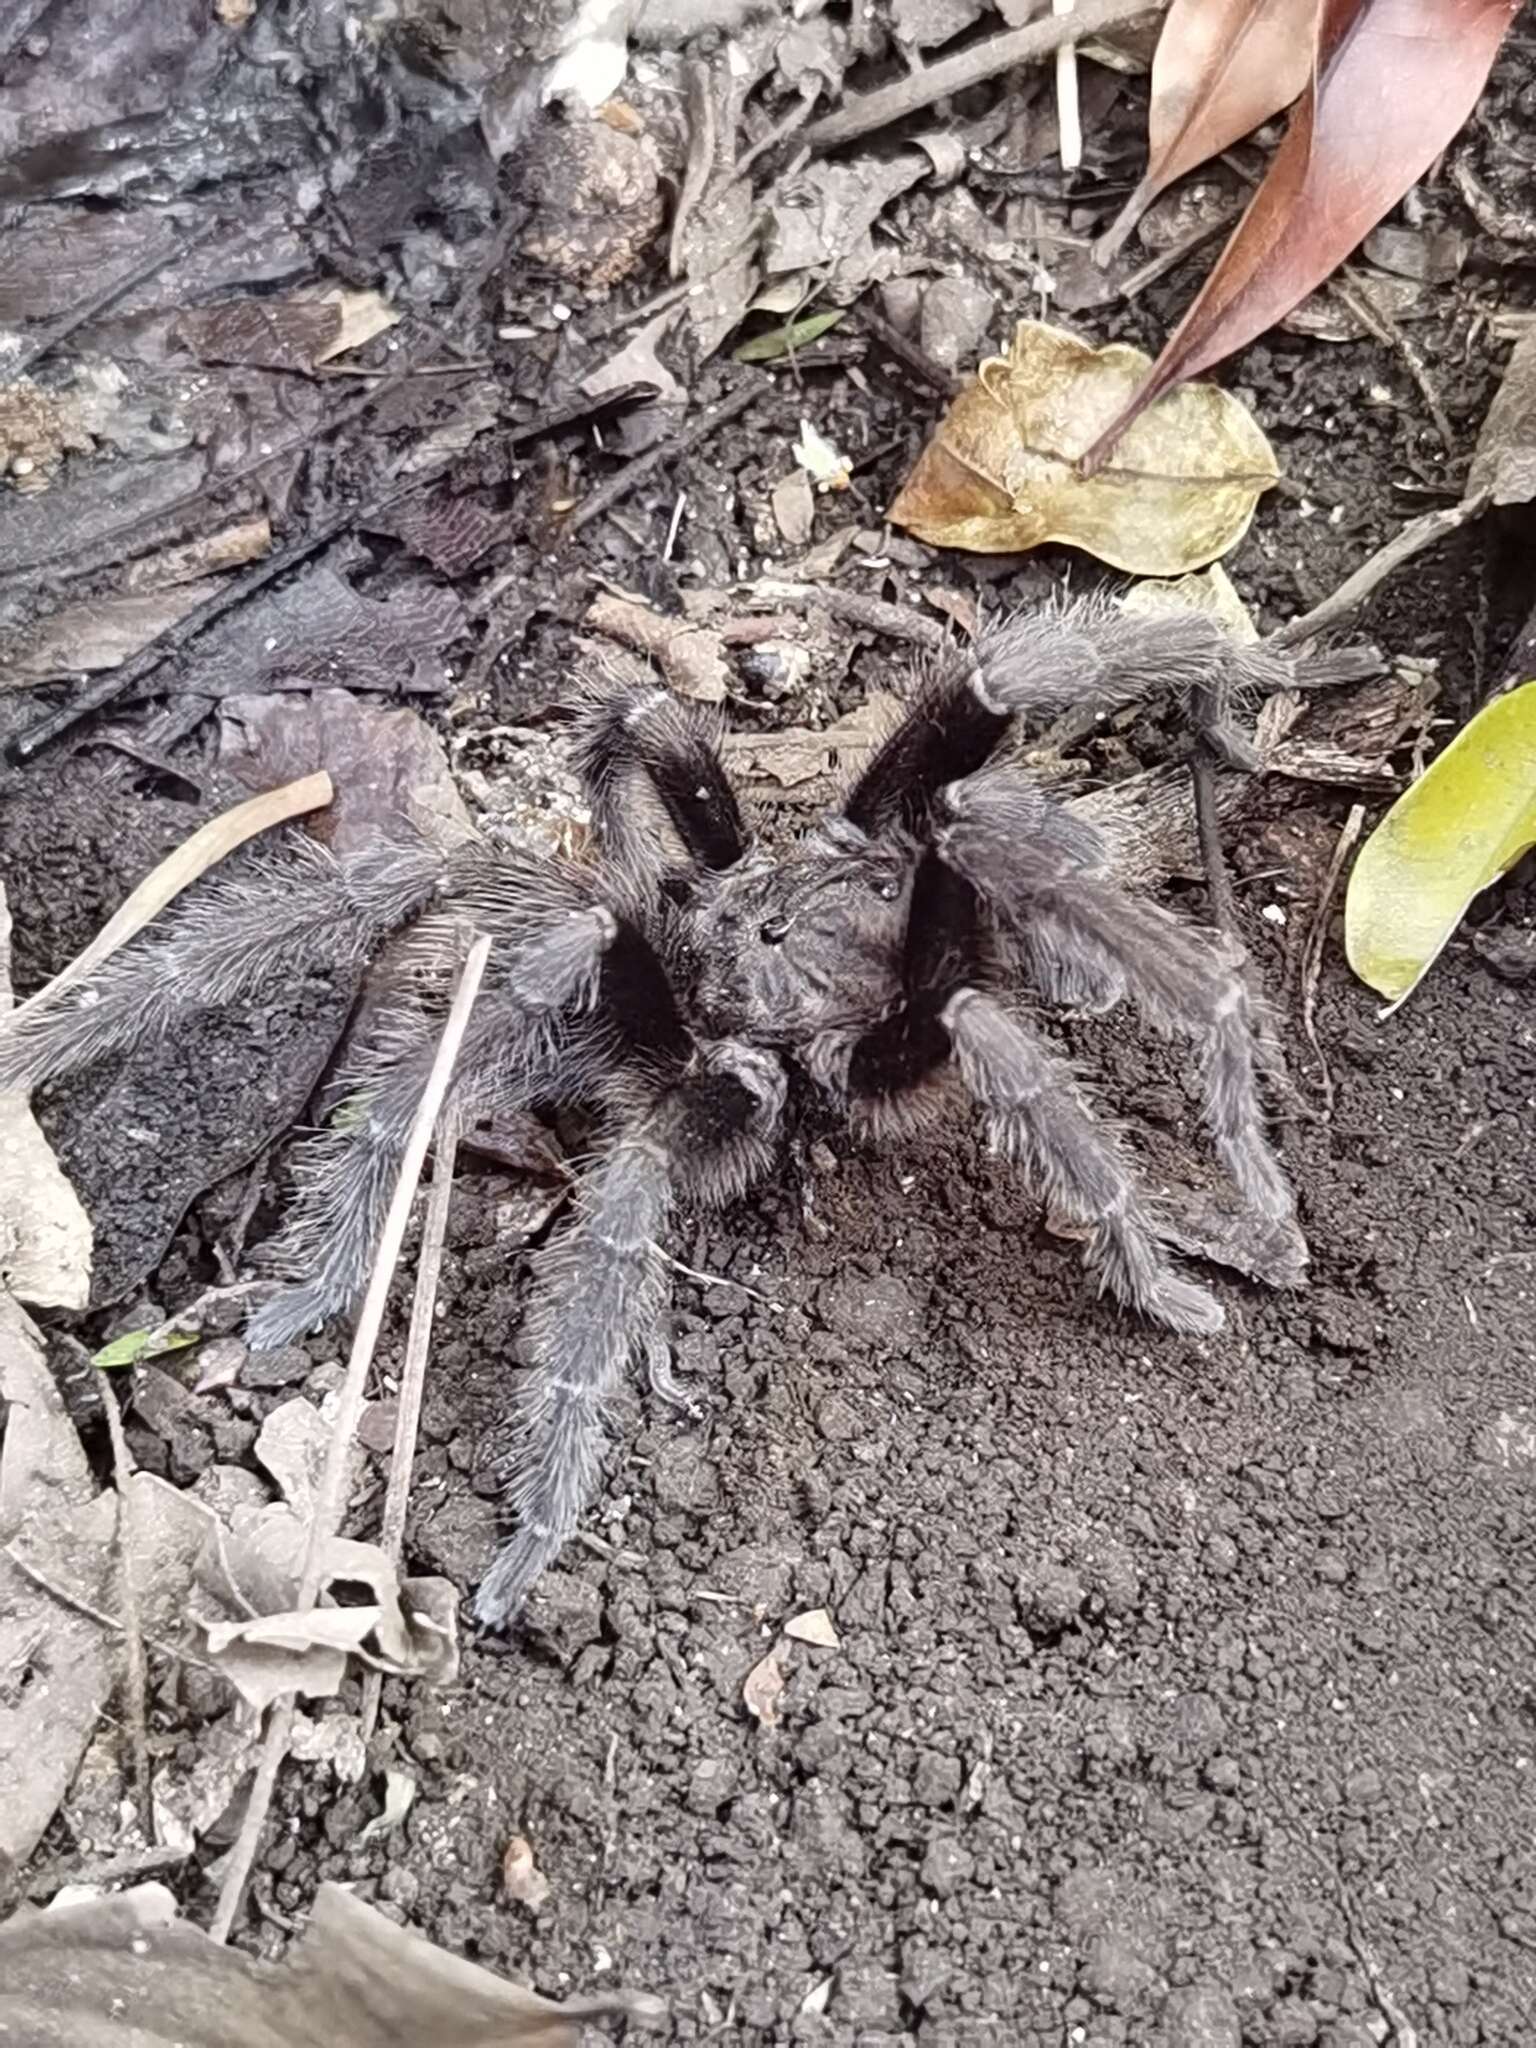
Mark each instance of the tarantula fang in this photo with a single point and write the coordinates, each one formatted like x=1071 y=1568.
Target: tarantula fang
x=673 y=980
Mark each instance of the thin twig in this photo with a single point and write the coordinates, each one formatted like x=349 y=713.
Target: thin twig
x=1312 y=951
x=703 y=144
x=1350 y=294
x=99 y=1872
x=906 y=352
x=329 y=1502
x=329 y=1495
x=854 y=608
x=872 y=110
x=413 y=1373
x=135 y=1687
x=1218 y=882
x=704 y=1279
x=114 y=683
x=237 y=1869
x=796 y=118
x=1408 y=541
x=618 y=487
x=1069 y=122
x=1172 y=257
x=77 y=316
x=77 y=1605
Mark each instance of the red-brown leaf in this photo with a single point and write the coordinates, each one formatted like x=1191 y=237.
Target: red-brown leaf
x=1393 y=82
x=1222 y=68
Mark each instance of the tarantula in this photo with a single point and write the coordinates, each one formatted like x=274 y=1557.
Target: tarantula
x=673 y=980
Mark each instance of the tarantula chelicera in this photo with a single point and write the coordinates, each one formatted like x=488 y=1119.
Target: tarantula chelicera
x=673 y=979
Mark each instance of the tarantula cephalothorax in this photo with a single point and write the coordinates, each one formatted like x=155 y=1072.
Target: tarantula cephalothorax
x=671 y=981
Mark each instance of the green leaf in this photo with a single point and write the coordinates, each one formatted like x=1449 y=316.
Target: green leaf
x=783 y=341
x=1465 y=822
x=136 y=1344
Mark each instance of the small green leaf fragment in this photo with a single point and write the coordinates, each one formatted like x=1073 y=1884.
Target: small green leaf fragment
x=1465 y=822
x=136 y=1344
x=783 y=341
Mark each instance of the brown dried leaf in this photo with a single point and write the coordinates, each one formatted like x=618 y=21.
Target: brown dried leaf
x=385 y=764
x=1392 y=82
x=763 y=1690
x=806 y=765
x=1222 y=68
x=999 y=474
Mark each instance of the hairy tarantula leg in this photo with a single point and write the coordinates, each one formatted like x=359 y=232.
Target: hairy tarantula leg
x=520 y=1049
x=942 y=953
x=1184 y=980
x=676 y=745
x=1088 y=653
x=289 y=911
x=600 y=1290
x=1038 y=1117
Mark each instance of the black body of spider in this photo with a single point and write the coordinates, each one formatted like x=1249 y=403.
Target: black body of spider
x=674 y=979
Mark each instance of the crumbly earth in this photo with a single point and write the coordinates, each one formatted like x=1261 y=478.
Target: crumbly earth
x=1179 y=1694
x=1182 y=1691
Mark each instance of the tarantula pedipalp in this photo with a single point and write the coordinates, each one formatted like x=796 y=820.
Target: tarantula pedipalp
x=673 y=980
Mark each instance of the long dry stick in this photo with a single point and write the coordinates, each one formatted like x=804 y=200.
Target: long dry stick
x=135 y=1687
x=975 y=66
x=1069 y=125
x=1312 y=951
x=619 y=486
x=328 y=1495
x=413 y=1374
x=1392 y=555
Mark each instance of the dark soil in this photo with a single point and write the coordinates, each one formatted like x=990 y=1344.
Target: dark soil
x=1184 y=1692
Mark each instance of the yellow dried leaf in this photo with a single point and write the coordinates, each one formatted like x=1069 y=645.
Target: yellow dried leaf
x=999 y=475
x=1466 y=821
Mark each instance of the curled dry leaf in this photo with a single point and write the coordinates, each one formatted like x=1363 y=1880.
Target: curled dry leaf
x=1392 y=82
x=1466 y=821
x=1000 y=475
x=763 y=1690
x=353 y=1979
x=1222 y=67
